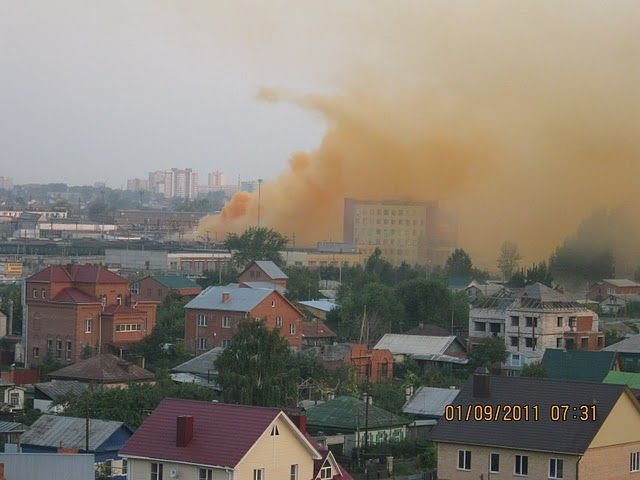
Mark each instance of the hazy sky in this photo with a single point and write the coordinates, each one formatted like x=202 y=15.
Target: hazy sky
x=105 y=91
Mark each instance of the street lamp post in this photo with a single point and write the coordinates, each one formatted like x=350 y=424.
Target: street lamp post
x=259 y=192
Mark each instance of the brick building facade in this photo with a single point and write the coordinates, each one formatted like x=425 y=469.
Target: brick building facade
x=71 y=308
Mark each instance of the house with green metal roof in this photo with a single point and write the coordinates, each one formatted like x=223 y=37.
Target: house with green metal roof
x=158 y=287
x=580 y=365
x=630 y=379
x=349 y=419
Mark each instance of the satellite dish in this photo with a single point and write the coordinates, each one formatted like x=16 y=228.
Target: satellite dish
x=173 y=473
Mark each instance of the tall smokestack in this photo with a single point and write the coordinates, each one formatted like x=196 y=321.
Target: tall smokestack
x=184 y=430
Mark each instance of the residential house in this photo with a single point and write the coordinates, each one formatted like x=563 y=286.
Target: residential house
x=217 y=441
x=427 y=406
x=77 y=307
x=317 y=309
x=104 y=371
x=10 y=433
x=506 y=427
x=620 y=304
x=200 y=370
x=315 y=333
x=613 y=286
x=158 y=287
x=371 y=365
x=58 y=434
x=343 y=422
x=212 y=318
x=36 y=466
x=534 y=319
x=264 y=271
x=11 y=396
x=628 y=351
x=333 y=356
x=476 y=290
x=45 y=395
x=426 y=351
x=580 y=365
x=630 y=379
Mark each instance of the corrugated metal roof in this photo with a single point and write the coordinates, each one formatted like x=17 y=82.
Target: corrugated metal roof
x=69 y=432
x=430 y=401
x=347 y=414
x=12 y=427
x=631 y=344
x=630 y=379
x=264 y=285
x=59 y=388
x=36 y=466
x=400 y=344
x=271 y=269
x=621 y=282
x=202 y=365
x=322 y=305
x=240 y=299
x=579 y=365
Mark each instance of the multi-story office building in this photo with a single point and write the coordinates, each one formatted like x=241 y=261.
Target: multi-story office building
x=405 y=231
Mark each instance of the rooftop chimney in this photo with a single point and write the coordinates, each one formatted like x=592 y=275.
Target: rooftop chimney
x=184 y=430
x=225 y=297
x=481 y=383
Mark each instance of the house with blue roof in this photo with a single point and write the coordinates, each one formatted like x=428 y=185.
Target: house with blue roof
x=212 y=318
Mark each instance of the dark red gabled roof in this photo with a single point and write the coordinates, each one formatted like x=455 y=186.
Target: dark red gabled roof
x=222 y=433
x=73 y=295
x=53 y=273
x=94 y=274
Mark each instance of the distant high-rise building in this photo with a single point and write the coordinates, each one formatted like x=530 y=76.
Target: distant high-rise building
x=405 y=231
x=6 y=183
x=216 y=179
x=182 y=183
x=137 y=185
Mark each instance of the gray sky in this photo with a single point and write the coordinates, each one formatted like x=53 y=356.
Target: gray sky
x=105 y=91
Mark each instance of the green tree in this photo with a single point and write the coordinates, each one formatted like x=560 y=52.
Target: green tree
x=538 y=272
x=534 y=369
x=256 y=243
x=489 y=352
x=508 y=259
x=302 y=283
x=636 y=274
x=254 y=369
x=10 y=298
x=459 y=264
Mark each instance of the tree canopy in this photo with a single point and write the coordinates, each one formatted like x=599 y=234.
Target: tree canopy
x=256 y=243
x=508 y=259
x=459 y=264
x=490 y=351
x=254 y=369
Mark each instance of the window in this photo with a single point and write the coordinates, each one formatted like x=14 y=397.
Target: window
x=560 y=322
x=522 y=465
x=514 y=341
x=479 y=326
x=50 y=344
x=128 y=327
x=205 y=474
x=274 y=431
x=515 y=321
x=67 y=355
x=464 y=459
x=59 y=349
x=600 y=342
x=202 y=320
x=292 y=329
x=494 y=463
x=531 y=322
x=43 y=293
x=156 y=471
x=558 y=342
x=584 y=343
x=273 y=303
x=36 y=352
x=555 y=468
x=278 y=322
x=530 y=342
x=35 y=293
x=125 y=467
x=226 y=343
x=226 y=322
x=14 y=399
x=119 y=299
x=572 y=322
x=88 y=325
x=258 y=474
x=202 y=343
x=325 y=472
x=634 y=462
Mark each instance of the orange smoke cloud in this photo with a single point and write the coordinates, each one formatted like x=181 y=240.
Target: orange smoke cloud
x=522 y=115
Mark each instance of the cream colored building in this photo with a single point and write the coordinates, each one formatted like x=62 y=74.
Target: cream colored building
x=212 y=441
x=578 y=430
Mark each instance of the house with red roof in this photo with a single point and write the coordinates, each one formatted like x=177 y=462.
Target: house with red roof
x=202 y=440
x=74 y=307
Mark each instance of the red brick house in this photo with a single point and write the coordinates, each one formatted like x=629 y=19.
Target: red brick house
x=376 y=364
x=70 y=308
x=263 y=271
x=212 y=318
x=613 y=286
x=158 y=287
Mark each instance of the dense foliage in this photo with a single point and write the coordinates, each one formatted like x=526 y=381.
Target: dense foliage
x=490 y=351
x=256 y=243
